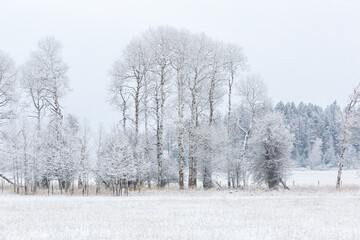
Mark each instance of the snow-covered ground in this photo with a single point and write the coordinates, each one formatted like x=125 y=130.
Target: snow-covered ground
x=187 y=215
x=302 y=213
x=301 y=177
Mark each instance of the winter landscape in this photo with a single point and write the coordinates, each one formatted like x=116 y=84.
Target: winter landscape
x=182 y=120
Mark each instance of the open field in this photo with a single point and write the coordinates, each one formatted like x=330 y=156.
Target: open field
x=186 y=215
x=308 y=211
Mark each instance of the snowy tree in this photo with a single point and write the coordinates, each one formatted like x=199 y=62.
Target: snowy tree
x=350 y=121
x=315 y=155
x=211 y=152
x=271 y=150
x=351 y=158
x=52 y=70
x=153 y=67
x=8 y=97
x=11 y=152
x=118 y=161
x=180 y=64
x=16 y=152
x=198 y=74
x=146 y=140
x=309 y=122
x=8 y=75
x=333 y=115
x=330 y=157
x=128 y=79
x=234 y=62
x=70 y=152
x=215 y=93
x=84 y=158
x=33 y=85
x=160 y=41
x=254 y=102
x=130 y=89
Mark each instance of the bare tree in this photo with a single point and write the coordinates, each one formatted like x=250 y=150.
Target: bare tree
x=350 y=121
x=120 y=93
x=128 y=77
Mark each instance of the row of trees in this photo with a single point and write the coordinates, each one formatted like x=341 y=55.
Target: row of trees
x=39 y=145
x=178 y=83
x=174 y=90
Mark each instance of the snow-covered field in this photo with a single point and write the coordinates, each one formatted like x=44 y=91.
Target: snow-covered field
x=309 y=213
x=189 y=215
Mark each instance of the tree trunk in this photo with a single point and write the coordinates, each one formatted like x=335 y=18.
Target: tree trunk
x=228 y=157
x=341 y=164
x=147 y=141
x=160 y=112
x=192 y=142
x=181 y=129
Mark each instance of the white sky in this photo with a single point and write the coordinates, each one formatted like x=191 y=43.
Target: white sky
x=305 y=50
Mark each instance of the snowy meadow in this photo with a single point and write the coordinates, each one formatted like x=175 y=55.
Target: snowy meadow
x=188 y=215
x=307 y=211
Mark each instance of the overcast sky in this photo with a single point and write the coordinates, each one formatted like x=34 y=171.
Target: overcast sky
x=306 y=50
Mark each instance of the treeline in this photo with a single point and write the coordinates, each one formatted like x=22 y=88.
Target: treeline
x=317 y=134
x=191 y=113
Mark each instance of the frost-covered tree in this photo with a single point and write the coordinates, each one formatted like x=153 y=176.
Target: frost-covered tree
x=117 y=165
x=196 y=80
x=330 y=157
x=180 y=64
x=163 y=70
x=84 y=158
x=351 y=158
x=309 y=122
x=254 y=102
x=350 y=122
x=128 y=78
x=53 y=71
x=70 y=153
x=8 y=75
x=315 y=155
x=211 y=147
x=160 y=42
x=271 y=150
x=12 y=153
x=235 y=62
